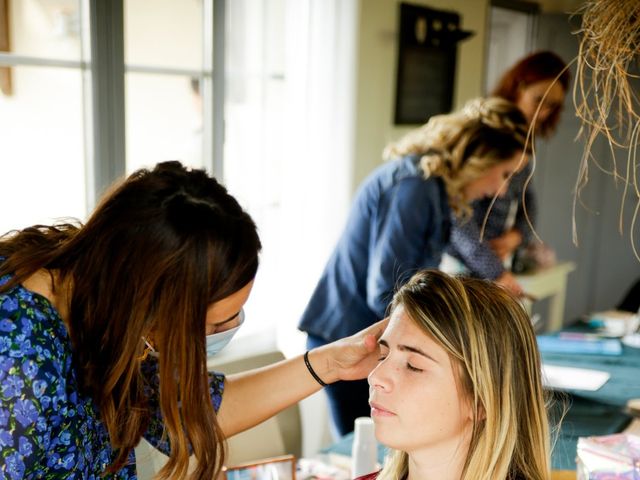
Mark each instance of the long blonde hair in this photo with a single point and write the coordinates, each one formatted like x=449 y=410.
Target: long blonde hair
x=491 y=342
x=462 y=146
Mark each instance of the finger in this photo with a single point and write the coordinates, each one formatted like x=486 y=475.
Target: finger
x=377 y=328
x=371 y=343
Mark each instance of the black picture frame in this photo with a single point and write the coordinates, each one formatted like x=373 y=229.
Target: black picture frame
x=427 y=51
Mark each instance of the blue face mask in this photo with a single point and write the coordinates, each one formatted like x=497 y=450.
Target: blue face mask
x=217 y=341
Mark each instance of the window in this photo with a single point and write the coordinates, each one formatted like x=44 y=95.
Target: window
x=42 y=115
x=258 y=92
x=164 y=57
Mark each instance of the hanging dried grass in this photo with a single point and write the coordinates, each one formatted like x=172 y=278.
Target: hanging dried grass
x=605 y=101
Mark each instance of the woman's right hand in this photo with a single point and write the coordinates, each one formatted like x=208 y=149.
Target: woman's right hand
x=506 y=244
x=253 y=396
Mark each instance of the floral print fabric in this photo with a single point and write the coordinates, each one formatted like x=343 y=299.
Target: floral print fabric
x=48 y=428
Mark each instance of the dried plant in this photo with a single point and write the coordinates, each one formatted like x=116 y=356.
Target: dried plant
x=604 y=97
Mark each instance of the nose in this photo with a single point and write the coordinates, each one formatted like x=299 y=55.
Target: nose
x=379 y=379
x=545 y=112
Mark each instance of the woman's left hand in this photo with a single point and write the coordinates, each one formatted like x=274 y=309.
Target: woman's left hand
x=504 y=245
x=350 y=358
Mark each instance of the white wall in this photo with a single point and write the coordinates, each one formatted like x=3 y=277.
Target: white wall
x=377 y=60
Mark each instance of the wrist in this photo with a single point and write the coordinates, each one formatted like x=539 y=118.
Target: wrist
x=311 y=370
x=319 y=359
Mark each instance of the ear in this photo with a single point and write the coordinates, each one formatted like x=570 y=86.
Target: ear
x=476 y=411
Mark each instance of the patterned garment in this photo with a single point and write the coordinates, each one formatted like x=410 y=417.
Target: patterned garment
x=48 y=429
x=477 y=256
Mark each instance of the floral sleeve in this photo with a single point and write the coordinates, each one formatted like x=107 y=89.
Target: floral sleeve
x=155 y=431
x=32 y=392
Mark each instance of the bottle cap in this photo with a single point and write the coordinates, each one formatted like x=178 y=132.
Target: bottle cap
x=364 y=430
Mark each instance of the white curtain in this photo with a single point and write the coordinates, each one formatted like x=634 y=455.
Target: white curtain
x=319 y=154
x=289 y=143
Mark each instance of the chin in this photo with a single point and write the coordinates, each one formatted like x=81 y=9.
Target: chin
x=389 y=438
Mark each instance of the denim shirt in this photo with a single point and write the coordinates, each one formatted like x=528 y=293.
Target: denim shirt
x=399 y=223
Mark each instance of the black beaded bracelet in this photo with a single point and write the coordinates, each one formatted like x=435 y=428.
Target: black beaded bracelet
x=311 y=370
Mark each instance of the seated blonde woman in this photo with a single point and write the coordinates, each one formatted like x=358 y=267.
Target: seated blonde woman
x=457 y=393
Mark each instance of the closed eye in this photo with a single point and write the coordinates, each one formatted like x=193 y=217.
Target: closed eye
x=414 y=369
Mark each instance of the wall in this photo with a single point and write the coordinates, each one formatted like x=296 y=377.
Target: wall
x=377 y=58
x=559 y=6
x=606 y=265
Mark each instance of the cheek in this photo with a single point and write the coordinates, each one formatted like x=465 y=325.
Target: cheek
x=528 y=107
x=470 y=190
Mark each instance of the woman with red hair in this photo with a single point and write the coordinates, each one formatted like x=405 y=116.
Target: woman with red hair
x=537 y=84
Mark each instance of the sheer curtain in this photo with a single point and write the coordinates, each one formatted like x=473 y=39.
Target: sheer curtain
x=320 y=113
x=289 y=143
x=322 y=65
x=290 y=110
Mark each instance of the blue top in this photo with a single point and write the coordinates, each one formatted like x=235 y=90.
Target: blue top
x=399 y=223
x=478 y=256
x=48 y=428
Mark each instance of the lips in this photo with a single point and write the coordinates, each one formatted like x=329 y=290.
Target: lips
x=378 y=410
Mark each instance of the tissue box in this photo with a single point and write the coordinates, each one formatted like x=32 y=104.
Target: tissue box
x=609 y=457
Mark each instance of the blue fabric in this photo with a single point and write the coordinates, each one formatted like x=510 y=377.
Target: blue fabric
x=399 y=223
x=623 y=384
x=593 y=413
x=584 y=418
x=48 y=428
x=477 y=255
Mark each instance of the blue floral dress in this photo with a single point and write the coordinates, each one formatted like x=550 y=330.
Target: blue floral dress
x=48 y=429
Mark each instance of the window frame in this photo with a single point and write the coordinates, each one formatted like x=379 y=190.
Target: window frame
x=103 y=69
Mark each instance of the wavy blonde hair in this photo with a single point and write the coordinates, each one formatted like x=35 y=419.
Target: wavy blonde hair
x=492 y=345
x=461 y=146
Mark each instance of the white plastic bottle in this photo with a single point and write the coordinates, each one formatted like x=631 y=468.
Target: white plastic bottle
x=364 y=452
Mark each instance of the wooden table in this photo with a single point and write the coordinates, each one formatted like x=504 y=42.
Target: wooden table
x=563 y=475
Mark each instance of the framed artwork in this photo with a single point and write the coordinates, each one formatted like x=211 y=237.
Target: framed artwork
x=427 y=50
x=6 y=86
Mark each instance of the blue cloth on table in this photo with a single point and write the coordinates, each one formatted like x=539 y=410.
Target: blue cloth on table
x=624 y=369
x=584 y=418
x=599 y=412
x=556 y=344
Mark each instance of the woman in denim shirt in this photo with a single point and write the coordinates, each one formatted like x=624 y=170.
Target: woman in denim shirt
x=400 y=221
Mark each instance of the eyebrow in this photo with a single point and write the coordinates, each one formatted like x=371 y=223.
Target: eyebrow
x=408 y=348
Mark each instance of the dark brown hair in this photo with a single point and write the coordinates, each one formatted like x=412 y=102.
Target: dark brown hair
x=156 y=252
x=533 y=68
